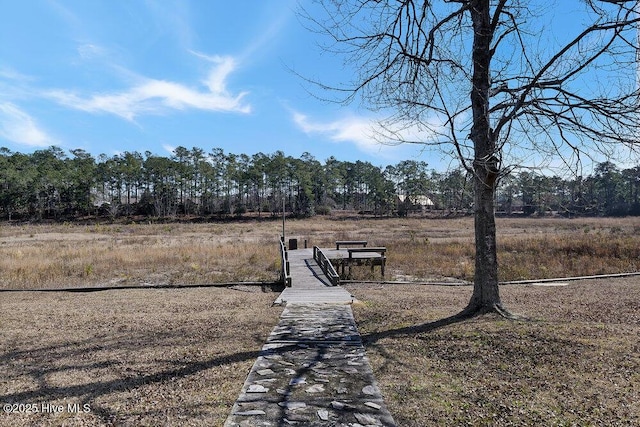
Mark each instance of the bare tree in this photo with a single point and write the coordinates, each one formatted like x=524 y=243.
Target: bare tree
x=494 y=83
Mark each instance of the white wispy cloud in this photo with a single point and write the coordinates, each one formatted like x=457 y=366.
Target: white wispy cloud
x=357 y=130
x=12 y=75
x=367 y=133
x=88 y=51
x=152 y=96
x=221 y=67
x=169 y=148
x=20 y=128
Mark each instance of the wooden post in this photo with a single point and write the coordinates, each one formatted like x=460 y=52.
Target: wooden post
x=283 y=219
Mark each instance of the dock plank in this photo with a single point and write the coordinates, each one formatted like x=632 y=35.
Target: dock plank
x=309 y=284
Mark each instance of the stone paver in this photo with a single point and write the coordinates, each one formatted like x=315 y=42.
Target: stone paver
x=313 y=370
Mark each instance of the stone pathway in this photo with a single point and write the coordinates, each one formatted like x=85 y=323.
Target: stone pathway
x=312 y=371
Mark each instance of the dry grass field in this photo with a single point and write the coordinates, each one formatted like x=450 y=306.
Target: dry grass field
x=68 y=255
x=179 y=356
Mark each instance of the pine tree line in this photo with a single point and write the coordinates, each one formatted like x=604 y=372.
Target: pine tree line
x=53 y=184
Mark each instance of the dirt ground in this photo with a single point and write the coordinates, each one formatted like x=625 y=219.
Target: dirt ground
x=179 y=357
x=576 y=361
x=133 y=357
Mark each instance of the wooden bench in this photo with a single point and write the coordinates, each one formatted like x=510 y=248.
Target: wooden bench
x=362 y=243
x=381 y=250
x=374 y=261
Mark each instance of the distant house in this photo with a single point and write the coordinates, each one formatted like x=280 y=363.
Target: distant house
x=416 y=200
x=423 y=201
x=408 y=204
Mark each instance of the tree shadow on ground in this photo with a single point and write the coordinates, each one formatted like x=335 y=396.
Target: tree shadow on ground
x=118 y=354
x=373 y=337
x=98 y=370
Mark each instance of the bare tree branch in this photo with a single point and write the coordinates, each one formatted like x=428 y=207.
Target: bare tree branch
x=476 y=76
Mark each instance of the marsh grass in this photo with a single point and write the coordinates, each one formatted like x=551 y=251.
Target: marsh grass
x=112 y=255
x=53 y=256
x=584 y=254
x=540 y=256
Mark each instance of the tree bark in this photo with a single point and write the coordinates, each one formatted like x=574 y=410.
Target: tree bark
x=486 y=297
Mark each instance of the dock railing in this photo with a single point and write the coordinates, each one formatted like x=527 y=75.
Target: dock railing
x=285 y=274
x=326 y=266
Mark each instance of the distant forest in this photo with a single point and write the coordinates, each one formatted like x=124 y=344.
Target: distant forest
x=54 y=184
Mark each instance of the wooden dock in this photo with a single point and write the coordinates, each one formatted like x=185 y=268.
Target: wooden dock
x=313 y=370
x=346 y=258
x=309 y=284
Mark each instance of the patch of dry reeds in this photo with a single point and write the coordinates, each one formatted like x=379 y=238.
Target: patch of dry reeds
x=538 y=256
x=133 y=255
x=582 y=254
x=50 y=256
x=527 y=249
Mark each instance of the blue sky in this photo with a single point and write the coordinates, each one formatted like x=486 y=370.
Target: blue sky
x=109 y=76
x=152 y=75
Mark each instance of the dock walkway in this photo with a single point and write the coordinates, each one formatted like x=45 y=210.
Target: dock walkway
x=309 y=285
x=313 y=370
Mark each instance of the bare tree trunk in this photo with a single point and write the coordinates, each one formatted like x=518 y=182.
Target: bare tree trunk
x=485 y=290
x=486 y=295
